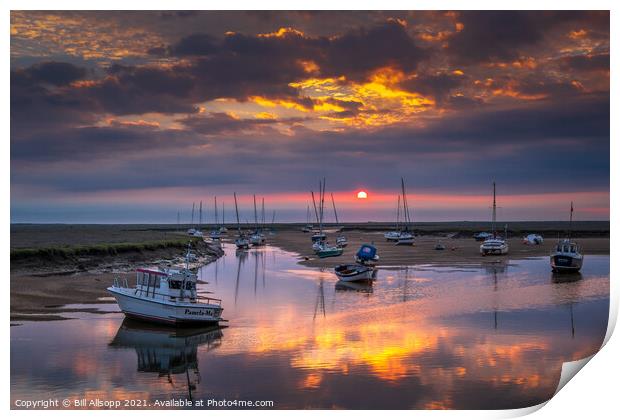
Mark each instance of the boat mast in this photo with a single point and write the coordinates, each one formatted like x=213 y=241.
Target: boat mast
x=200 y=217
x=193 y=206
x=223 y=222
x=263 y=214
x=316 y=213
x=405 y=206
x=237 y=212
x=322 y=204
x=217 y=220
x=335 y=212
x=308 y=216
x=570 y=223
x=255 y=215
x=494 y=212
x=398 y=213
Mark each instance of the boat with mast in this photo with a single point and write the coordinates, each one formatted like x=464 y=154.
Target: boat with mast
x=308 y=228
x=241 y=241
x=317 y=234
x=257 y=238
x=322 y=248
x=166 y=295
x=198 y=231
x=223 y=228
x=395 y=234
x=341 y=240
x=215 y=233
x=405 y=236
x=192 y=229
x=495 y=244
x=566 y=257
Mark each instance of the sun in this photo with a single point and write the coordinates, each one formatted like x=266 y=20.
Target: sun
x=362 y=194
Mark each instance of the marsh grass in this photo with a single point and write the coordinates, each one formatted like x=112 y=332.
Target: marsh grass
x=56 y=252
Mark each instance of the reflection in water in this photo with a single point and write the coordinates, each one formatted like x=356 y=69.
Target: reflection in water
x=420 y=337
x=167 y=351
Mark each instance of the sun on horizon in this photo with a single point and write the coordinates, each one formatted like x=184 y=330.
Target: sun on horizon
x=362 y=194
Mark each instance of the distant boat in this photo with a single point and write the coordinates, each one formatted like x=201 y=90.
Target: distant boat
x=405 y=237
x=257 y=238
x=308 y=228
x=166 y=296
x=329 y=251
x=241 y=241
x=533 y=239
x=341 y=240
x=192 y=230
x=395 y=234
x=482 y=236
x=354 y=272
x=567 y=257
x=367 y=255
x=494 y=244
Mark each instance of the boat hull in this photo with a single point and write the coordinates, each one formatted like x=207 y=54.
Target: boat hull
x=353 y=272
x=163 y=312
x=325 y=253
x=561 y=263
x=494 y=247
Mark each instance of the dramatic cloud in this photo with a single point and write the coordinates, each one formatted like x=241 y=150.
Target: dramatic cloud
x=121 y=104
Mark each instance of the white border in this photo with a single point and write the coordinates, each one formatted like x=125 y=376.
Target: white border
x=592 y=395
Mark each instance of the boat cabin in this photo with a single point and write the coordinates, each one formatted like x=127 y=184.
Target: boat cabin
x=168 y=284
x=567 y=247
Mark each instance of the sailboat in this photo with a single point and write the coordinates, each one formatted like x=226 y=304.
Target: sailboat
x=317 y=235
x=495 y=244
x=241 y=241
x=323 y=249
x=223 y=228
x=395 y=234
x=566 y=257
x=257 y=238
x=405 y=237
x=341 y=240
x=308 y=228
x=215 y=233
x=198 y=231
x=192 y=229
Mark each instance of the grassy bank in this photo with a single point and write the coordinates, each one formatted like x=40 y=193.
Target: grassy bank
x=55 y=252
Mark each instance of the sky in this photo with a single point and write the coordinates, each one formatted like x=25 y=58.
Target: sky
x=130 y=117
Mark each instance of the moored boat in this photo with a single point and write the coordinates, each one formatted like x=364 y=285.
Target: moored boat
x=495 y=244
x=405 y=236
x=166 y=295
x=329 y=251
x=354 y=272
x=367 y=255
x=566 y=257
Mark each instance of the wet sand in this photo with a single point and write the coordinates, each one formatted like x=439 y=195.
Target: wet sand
x=38 y=294
x=459 y=251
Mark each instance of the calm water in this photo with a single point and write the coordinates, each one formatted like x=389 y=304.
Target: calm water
x=420 y=337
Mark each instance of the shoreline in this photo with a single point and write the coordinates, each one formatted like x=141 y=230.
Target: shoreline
x=40 y=294
x=459 y=251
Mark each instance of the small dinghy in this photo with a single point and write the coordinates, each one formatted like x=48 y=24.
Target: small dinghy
x=354 y=272
x=367 y=255
x=329 y=251
x=440 y=247
x=341 y=241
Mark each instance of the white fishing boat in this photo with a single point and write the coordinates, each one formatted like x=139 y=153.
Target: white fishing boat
x=494 y=245
x=405 y=236
x=354 y=272
x=166 y=295
x=566 y=257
